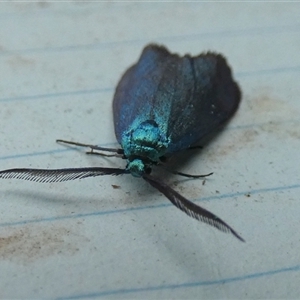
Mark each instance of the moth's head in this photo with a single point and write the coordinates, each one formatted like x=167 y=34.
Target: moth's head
x=138 y=167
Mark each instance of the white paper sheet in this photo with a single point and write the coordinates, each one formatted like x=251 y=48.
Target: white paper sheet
x=60 y=63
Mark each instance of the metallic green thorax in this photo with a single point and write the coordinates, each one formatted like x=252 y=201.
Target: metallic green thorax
x=143 y=146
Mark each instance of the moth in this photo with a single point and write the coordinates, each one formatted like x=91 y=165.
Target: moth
x=163 y=104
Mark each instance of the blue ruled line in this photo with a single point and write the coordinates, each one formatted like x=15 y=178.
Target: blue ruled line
x=242 y=74
x=116 y=145
x=227 y=280
x=163 y=205
x=194 y=36
x=57 y=95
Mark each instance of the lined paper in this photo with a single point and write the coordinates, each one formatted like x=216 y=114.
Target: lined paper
x=60 y=63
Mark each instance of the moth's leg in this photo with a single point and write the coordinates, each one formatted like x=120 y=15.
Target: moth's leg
x=106 y=155
x=163 y=159
x=194 y=147
x=102 y=154
x=190 y=175
x=118 y=152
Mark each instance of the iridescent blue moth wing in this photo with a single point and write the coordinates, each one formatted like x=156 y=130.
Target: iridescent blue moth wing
x=188 y=97
x=211 y=102
x=142 y=93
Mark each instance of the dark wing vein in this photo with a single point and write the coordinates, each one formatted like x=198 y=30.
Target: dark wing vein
x=190 y=208
x=58 y=175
